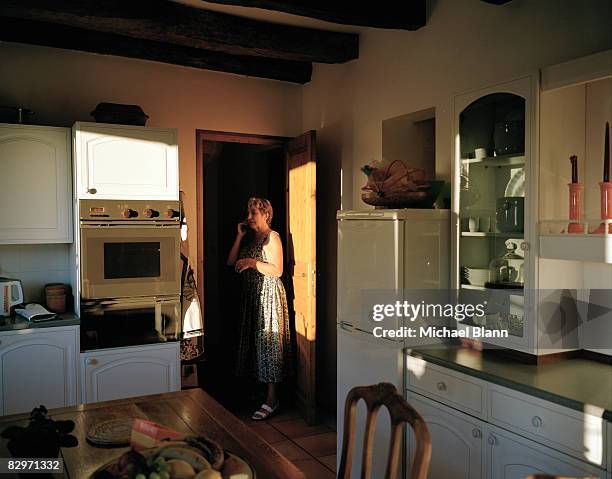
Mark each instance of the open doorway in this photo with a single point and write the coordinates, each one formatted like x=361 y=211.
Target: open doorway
x=231 y=168
x=234 y=172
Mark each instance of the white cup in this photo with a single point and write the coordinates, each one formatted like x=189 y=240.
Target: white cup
x=473 y=224
x=480 y=153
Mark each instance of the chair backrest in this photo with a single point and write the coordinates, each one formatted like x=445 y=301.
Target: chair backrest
x=400 y=412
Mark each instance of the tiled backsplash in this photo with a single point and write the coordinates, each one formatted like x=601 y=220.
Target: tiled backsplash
x=36 y=265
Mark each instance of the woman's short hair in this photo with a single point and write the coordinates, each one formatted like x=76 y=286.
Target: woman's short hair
x=264 y=206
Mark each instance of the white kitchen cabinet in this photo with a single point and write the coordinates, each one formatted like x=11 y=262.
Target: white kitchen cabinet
x=125 y=162
x=495 y=202
x=35 y=184
x=132 y=371
x=38 y=366
x=514 y=457
x=514 y=434
x=449 y=431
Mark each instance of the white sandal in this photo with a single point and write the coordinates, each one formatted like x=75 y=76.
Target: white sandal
x=264 y=412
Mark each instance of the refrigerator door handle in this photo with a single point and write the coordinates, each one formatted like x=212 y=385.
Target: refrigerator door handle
x=347 y=326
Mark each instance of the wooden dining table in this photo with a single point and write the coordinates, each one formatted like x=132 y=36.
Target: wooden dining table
x=190 y=412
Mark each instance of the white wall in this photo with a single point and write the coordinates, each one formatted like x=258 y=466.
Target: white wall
x=465 y=45
x=35 y=265
x=63 y=86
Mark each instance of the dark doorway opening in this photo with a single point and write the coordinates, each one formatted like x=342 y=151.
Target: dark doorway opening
x=234 y=172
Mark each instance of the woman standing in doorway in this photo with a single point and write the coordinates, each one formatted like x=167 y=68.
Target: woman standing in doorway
x=264 y=345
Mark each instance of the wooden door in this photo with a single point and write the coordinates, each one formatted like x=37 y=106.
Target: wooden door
x=301 y=263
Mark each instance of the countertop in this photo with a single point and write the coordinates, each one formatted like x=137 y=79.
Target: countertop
x=574 y=383
x=16 y=322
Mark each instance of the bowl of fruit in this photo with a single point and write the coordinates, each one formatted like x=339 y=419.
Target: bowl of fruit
x=190 y=458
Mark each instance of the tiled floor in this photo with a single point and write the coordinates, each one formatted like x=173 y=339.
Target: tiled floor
x=311 y=448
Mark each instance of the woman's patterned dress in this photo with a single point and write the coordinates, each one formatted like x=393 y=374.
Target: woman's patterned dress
x=265 y=345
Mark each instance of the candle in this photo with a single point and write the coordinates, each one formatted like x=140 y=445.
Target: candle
x=606 y=174
x=574 y=162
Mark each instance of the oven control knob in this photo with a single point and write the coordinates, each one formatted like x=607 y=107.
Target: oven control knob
x=150 y=213
x=128 y=213
x=170 y=213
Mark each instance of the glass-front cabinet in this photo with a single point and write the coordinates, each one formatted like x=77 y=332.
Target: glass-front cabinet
x=493 y=202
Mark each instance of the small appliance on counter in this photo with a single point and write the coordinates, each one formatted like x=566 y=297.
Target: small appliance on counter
x=11 y=295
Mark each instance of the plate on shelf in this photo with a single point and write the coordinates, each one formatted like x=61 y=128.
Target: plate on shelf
x=516 y=185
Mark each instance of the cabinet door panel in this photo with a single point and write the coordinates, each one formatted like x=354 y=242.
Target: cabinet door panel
x=514 y=457
x=450 y=431
x=37 y=368
x=127 y=372
x=35 y=185
x=126 y=162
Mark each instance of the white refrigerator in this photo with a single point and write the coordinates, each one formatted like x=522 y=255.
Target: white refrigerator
x=381 y=253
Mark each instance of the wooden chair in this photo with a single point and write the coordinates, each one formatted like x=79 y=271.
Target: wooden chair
x=400 y=411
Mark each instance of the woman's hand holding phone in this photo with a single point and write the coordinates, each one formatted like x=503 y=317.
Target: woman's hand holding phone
x=242 y=228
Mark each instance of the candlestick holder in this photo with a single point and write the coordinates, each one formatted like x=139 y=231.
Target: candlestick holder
x=575 y=208
x=605 y=188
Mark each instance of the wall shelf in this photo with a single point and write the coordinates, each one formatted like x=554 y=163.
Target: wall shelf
x=556 y=243
x=481 y=234
x=505 y=160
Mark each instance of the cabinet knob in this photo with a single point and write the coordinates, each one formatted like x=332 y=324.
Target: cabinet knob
x=92 y=361
x=128 y=213
x=150 y=213
x=92 y=191
x=492 y=440
x=536 y=421
x=524 y=246
x=441 y=386
x=476 y=433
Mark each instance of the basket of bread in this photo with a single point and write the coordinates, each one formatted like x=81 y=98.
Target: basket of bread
x=398 y=186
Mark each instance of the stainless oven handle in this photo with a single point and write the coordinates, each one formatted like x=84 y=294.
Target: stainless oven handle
x=113 y=305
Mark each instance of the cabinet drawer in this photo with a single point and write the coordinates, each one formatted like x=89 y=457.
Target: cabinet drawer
x=449 y=387
x=577 y=434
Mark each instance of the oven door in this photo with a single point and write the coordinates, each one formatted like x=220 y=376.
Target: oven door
x=122 y=261
x=129 y=322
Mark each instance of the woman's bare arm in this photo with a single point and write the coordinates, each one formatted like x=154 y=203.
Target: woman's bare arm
x=273 y=250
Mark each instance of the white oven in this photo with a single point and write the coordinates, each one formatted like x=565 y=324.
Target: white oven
x=129 y=249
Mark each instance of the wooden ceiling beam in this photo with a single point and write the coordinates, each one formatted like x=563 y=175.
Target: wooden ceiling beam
x=404 y=15
x=61 y=36
x=168 y=22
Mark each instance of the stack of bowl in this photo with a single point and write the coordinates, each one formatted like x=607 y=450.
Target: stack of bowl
x=56 y=297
